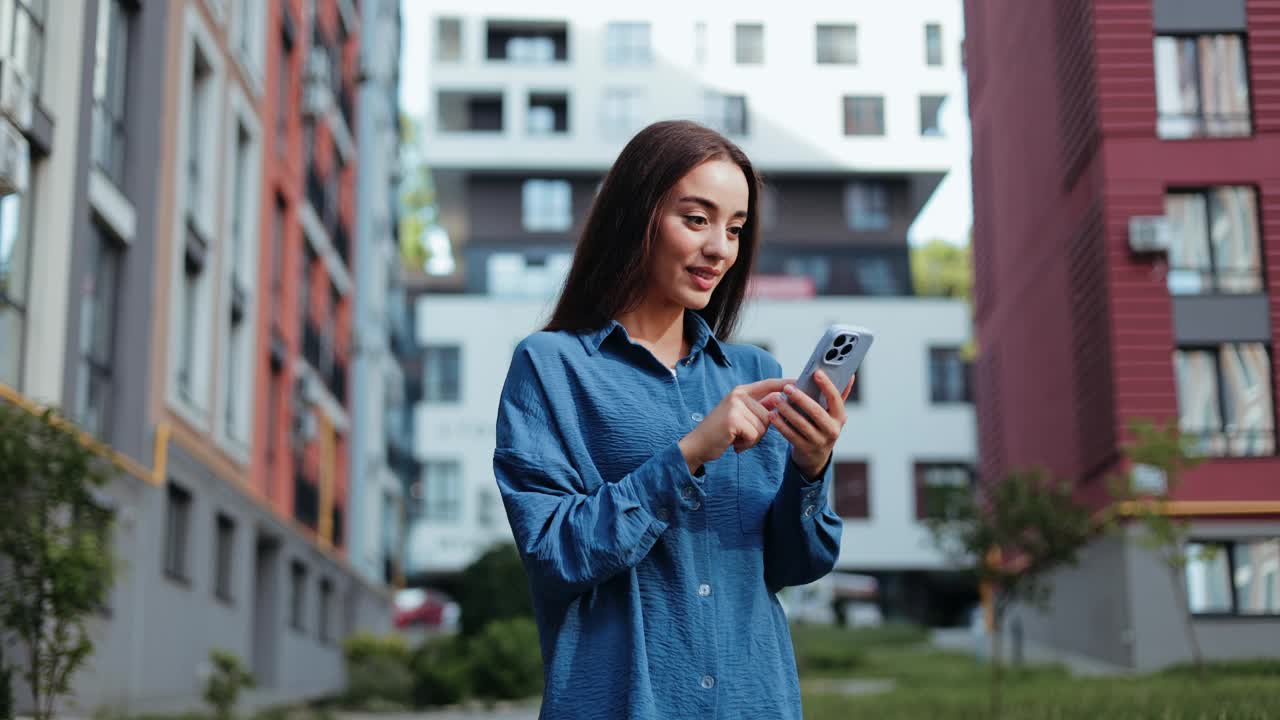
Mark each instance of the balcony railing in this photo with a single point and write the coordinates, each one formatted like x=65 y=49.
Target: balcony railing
x=342 y=242
x=346 y=103
x=337 y=381
x=311 y=344
x=316 y=193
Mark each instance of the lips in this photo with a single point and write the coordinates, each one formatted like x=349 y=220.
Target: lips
x=704 y=278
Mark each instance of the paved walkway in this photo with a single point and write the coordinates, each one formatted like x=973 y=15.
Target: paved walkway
x=503 y=713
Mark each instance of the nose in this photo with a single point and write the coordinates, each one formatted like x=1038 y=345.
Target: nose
x=716 y=246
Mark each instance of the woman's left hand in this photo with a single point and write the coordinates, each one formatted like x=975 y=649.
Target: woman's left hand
x=813 y=437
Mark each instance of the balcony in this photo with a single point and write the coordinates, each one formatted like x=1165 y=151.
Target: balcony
x=316 y=194
x=347 y=103
x=337 y=381
x=469 y=112
x=311 y=345
x=530 y=43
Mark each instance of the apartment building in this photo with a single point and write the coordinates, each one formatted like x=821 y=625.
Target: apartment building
x=1127 y=215
x=145 y=175
x=839 y=108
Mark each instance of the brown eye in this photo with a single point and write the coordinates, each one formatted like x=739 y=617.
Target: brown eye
x=696 y=220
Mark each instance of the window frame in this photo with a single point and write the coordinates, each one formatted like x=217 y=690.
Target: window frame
x=935 y=351
x=23 y=245
x=919 y=471
x=833 y=31
x=443 y=398
x=1227 y=546
x=1205 y=193
x=628 y=43
x=838 y=488
x=1215 y=352
x=753 y=33
x=177 y=534
x=929 y=47
x=849 y=114
x=936 y=131
x=224 y=531
x=454 y=511
x=1201 y=117
x=109 y=145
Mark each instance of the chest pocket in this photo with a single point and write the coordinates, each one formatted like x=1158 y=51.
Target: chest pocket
x=759 y=474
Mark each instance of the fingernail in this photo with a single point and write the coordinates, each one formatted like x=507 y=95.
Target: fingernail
x=789 y=389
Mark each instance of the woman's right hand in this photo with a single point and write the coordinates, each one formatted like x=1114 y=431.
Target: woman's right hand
x=739 y=421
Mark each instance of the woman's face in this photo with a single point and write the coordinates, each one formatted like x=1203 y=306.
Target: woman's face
x=698 y=229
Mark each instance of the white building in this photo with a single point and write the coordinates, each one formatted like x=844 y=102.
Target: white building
x=837 y=105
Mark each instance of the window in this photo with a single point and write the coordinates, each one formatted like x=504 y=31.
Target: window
x=486 y=507
x=284 y=82
x=442 y=491
x=937 y=483
x=1240 y=577
x=224 y=551
x=876 y=276
x=27 y=50
x=727 y=113
x=442 y=366
x=930 y=122
x=837 y=44
x=700 y=43
x=198 y=114
x=448 y=39
x=621 y=111
x=933 y=45
x=325 y=611
x=545 y=206
x=97 y=333
x=748 y=43
x=852 y=490
x=948 y=376
x=866 y=206
x=863 y=115
x=527 y=42
x=517 y=275
x=176 y=533
x=15 y=248
x=1202 y=87
x=243 y=238
x=469 y=111
x=1214 y=245
x=548 y=114
x=110 y=51
x=627 y=43
x=297 y=594
x=245 y=33
x=1224 y=398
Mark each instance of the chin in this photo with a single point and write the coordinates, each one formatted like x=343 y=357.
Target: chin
x=695 y=300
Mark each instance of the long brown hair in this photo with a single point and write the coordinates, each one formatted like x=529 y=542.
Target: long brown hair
x=610 y=268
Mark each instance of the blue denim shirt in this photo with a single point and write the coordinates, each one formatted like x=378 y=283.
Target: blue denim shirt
x=653 y=589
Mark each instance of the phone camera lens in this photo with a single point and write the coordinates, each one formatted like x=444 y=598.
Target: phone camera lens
x=842 y=339
x=846 y=349
x=832 y=355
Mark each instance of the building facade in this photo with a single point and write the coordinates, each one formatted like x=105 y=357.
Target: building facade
x=380 y=468
x=526 y=114
x=1127 y=213
x=137 y=289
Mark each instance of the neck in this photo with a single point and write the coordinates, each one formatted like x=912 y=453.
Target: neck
x=658 y=327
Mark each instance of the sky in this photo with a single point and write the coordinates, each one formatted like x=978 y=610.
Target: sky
x=947 y=216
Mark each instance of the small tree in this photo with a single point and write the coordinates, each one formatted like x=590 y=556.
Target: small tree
x=227 y=677
x=1019 y=530
x=494 y=587
x=54 y=547
x=1164 y=451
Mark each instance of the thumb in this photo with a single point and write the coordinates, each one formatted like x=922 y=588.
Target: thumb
x=761 y=388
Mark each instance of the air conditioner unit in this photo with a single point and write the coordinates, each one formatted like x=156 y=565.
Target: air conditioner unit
x=15 y=160
x=1149 y=234
x=15 y=95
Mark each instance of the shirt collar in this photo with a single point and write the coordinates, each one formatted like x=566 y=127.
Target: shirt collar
x=695 y=326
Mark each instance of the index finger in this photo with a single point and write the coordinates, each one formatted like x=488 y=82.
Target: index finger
x=759 y=389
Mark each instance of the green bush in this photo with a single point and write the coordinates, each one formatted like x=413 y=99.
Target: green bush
x=494 y=587
x=223 y=687
x=441 y=672
x=506 y=661
x=1256 y=667
x=827 y=649
x=362 y=646
x=378 y=674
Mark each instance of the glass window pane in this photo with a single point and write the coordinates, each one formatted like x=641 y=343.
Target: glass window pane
x=1236 y=250
x=1257 y=576
x=1246 y=393
x=1177 y=94
x=933 y=44
x=837 y=44
x=1224 y=85
x=1189 y=263
x=1198 y=410
x=11 y=327
x=15 y=247
x=1208 y=581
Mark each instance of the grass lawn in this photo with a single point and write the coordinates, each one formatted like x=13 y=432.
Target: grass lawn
x=937 y=685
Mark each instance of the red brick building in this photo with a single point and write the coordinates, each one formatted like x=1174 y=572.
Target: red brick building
x=1126 y=171
x=304 y=328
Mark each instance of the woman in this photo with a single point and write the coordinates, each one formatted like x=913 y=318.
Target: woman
x=653 y=553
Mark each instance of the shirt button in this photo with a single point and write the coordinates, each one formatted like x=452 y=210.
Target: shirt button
x=662 y=514
x=697 y=417
x=687 y=492
x=708 y=682
x=704 y=590
x=695 y=505
x=808 y=511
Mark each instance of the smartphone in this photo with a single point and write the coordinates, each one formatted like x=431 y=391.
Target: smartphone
x=838 y=354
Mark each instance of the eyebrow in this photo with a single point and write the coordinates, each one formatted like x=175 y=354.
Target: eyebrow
x=710 y=206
